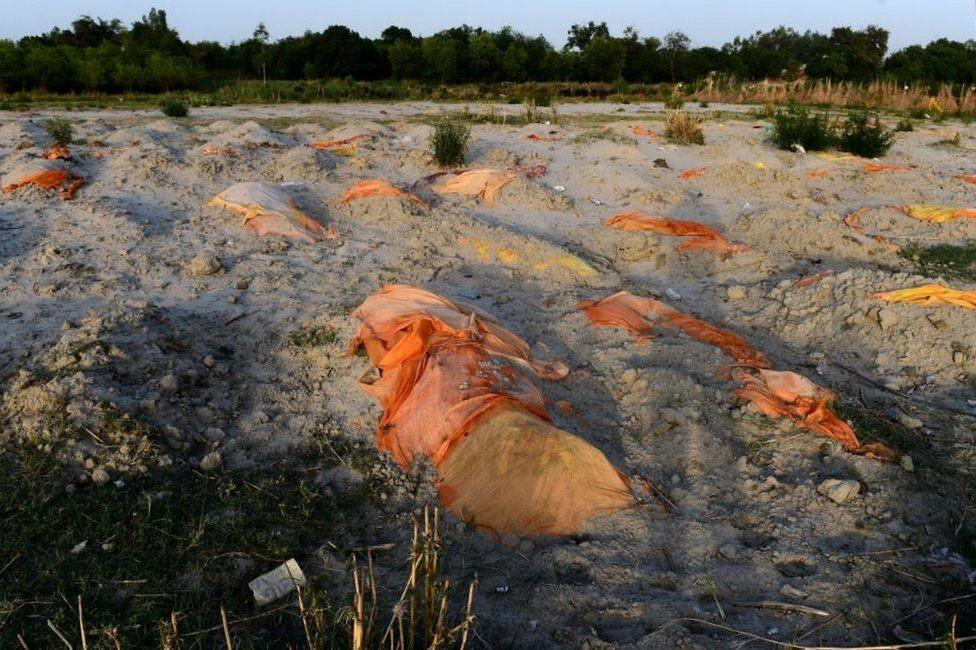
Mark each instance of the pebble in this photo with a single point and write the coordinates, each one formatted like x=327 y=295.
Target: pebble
x=735 y=292
x=909 y=421
x=838 y=490
x=99 y=476
x=169 y=383
x=202 y=265
x=906 y=463
x=793 y=592
x=211 y=461
x=209 y=361
x=340 y=478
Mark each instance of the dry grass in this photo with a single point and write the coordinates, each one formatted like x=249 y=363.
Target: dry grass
x=681 y=127
x=885 y=95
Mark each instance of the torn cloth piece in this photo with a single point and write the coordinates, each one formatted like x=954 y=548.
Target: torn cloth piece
x=450 y=381
x=875 y=168
x=376 y=187
x=936 y=213
x=269 y=210
x=333 y=144
x=484 y=184
x=701 y=237
x=930 y=295
x=775 y=393
x=47 y=175
x=692 y=173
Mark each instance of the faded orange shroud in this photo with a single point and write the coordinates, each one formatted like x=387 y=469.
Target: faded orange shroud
x=332 y=144
x=702 y=237
x=931 y=295
x=376 y=187
x=777 y=394
x=66 y=183
x=875 y=168
x=694 y=172
x=268 y=210
x=451 y=381
x=484 y=184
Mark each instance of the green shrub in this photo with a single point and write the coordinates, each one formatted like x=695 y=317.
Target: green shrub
x=174 y=108
x=863 y=137
x=951 y=261
x=540 y=97
x=703 y=104
x=674 y=103
x=59 y=129
x=797 y=126
x=449 y=142
x=904 y=125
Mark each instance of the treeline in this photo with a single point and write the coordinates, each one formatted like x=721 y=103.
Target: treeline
x=97 y=55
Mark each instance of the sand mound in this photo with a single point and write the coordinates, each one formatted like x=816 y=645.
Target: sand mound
x=749 y=183
x=373 y=209
x=796 y=232
x=525 y=194
x=249 y=135
x=141 y=165
x=303 y=164
x=904 y=345
x=14 y=134
x=155 y=132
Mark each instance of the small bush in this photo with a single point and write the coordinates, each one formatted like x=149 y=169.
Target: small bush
x=682 y=128
x=59 y=129
x=449 y=142
x=702 y=104
x=797 y=126
x=863 y=137
x=674 y=103
x=173 y=108
x=904 y=125
x=540 y=97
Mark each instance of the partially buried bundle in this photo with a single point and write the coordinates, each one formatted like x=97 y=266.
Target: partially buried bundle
x=46 y=174
x=484 y=184
x=452 y=383
x=776 y=394
x=700 y=236
x=268 y=210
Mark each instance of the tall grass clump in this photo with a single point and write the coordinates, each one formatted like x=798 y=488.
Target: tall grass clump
x=905 y=125
x=682 y=128
x=797 y=126
x=174 y=108
x=449 y=142
x=865 y=137
x=59 y=130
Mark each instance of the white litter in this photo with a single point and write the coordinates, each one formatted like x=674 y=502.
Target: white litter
x=277 y=583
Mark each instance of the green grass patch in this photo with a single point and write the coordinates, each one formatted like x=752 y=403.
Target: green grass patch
x=174 y=546
x=947 y=260
x=313 y=337
x=874 y=426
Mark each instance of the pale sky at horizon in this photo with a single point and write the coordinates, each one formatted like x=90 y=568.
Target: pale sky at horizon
x=707 y=22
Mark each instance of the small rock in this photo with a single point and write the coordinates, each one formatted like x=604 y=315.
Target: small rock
x=100 y=477
x=242 y=285
x=909 y=421
x=839 y=491
x=277 y=583
x=958 y=358
x=202 y=265
x=672 y=294
x=209 y=361
x=340 y=478
x=887 y=319
x=169 y=383
x=728 y=551
x=906 y=463
x=735 y=292
x=211 y=461
x=79 y=547
x=793 y=592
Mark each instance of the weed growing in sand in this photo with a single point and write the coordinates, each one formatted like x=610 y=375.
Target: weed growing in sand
x=592 y=135
x=904 y=125
x=674 y=103
x=865 y=137
x=947 y=260
x=797 y=126
x=683 y=128
x=313 y=337
x=953 y=143
x=59 y=129
x=449 y=142
x=174 y=108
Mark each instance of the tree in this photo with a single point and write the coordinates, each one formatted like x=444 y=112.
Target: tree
x=406 y=60
x=260 y=38
x=441 y=57
x=392 y=34
x=603 y=59
x=486 y=58
x=580 y=35
x=675 y=44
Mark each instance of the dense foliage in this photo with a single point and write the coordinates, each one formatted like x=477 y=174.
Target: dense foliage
x=99 y=55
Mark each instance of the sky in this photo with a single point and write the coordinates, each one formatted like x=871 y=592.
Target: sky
x=707 y=22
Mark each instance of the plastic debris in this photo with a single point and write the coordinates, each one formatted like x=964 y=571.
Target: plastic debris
x=930 y=295
x=277 y=583
x=268 y=210
x=701 y=237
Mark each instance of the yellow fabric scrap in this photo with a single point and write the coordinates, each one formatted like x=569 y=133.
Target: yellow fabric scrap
x=931 y=295
x=938 y=213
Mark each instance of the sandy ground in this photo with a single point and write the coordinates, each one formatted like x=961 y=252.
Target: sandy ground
x=101 y=308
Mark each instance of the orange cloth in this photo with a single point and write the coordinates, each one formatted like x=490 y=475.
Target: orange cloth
x=809 y=280
x=268 y=210
x=642 y=132
x=776 y=394
x=967 y=179
x=58 y=152
x=376 y=187
x=48 y=176
x=480 y=183
x=937 y=213
x=702 y=237
x=332 y=144
x=449 y=379
x=931 y=295
x=874 y=168
x=692 y=173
